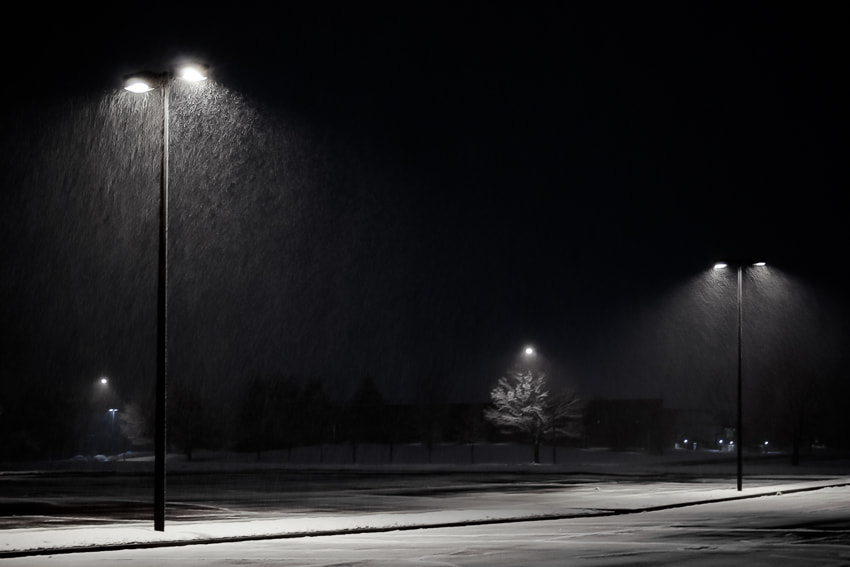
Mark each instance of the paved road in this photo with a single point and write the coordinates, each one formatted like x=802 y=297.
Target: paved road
x=800 y=529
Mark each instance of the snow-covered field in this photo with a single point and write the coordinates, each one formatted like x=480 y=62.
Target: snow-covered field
x=458 y=508
x=642 y=518
x=611 y=525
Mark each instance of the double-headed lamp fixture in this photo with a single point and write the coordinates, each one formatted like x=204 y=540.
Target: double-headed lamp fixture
x=721 y=265
x=147 y=81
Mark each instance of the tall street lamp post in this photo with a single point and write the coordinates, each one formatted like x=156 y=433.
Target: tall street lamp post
x=739 y=434
x=112 y=443
x=142 y=83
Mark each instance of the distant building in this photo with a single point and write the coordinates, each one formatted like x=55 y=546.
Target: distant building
x=639 y=424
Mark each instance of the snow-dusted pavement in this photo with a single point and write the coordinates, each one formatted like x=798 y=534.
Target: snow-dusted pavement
x=604 y=524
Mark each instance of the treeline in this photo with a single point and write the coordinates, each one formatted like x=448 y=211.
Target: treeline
x=265 y=414
x=282 y=414
x=275 y=414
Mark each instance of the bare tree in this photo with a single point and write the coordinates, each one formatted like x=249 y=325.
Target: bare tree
x=523 y=403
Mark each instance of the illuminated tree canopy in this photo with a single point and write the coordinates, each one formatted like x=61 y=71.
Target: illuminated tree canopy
x=524 y=403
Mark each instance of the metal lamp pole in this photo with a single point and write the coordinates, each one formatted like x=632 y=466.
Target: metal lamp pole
x=141 y=83
x=112 y=442
x=160 y=451
x=739 y=430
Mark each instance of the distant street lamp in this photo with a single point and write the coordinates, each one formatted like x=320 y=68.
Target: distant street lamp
x=739 y=445
x=528 y=359
x=112 y=443
x=104 y=380
x=142 y=83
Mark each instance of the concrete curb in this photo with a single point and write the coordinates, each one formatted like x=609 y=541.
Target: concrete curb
x=588 y=513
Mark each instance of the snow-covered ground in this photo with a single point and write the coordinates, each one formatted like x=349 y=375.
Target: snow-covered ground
x=585 y=501
x=498 y=519
x=792 y=528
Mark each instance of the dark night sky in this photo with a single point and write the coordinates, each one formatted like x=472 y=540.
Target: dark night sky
x=425 y=188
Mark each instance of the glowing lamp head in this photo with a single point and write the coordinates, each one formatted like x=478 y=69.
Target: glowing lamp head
x=720 y=265
x=193 y=73
x=137 y=85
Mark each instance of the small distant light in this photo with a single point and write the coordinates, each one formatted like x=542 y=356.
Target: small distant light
x=193 y=73
x=721 y=441
x=137 y=86
x=685 y=441
x=529 y=351
x=766 y=442
x=720 y=265
x=760 y=264
x=104 y=380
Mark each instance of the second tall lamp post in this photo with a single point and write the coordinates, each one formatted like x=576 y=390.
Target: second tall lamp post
x=739 y=448
x=142 y=83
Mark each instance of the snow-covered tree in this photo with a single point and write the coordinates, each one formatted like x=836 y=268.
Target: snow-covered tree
x=523 y=403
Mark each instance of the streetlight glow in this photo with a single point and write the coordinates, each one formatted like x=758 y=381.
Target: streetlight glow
x=104 y=380
x=145 y=81
x=529 y=351
x=193 y=73
x=137 y=85
x=720 y=265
